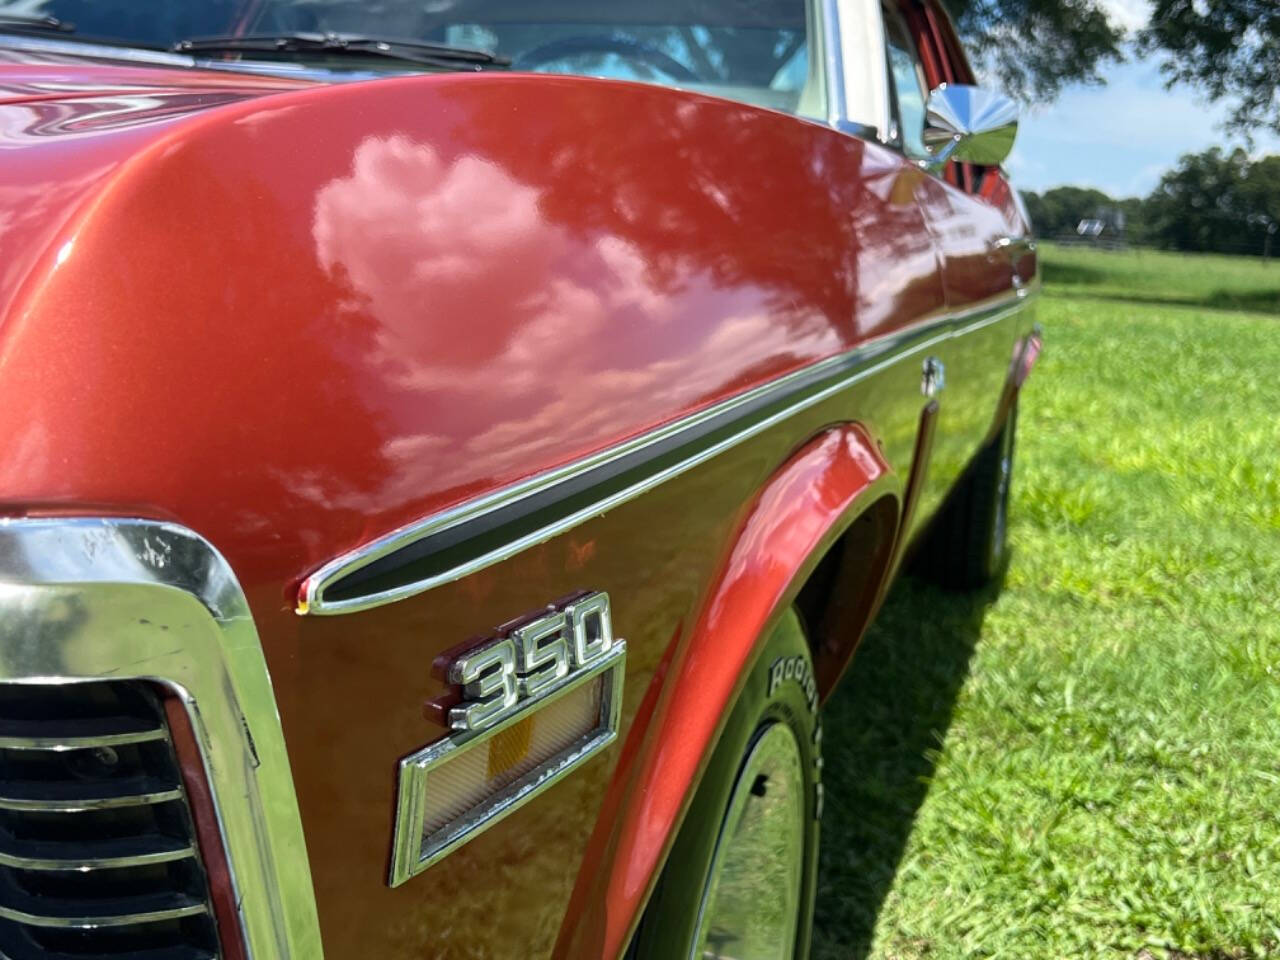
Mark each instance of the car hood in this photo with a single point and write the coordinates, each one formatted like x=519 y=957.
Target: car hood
x=68 y=127
x=296 y=317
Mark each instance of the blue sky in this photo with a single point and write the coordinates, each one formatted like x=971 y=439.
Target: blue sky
x=1122 y=136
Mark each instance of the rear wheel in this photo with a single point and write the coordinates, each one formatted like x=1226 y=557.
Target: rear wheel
x=968 y=546
x=739 y=881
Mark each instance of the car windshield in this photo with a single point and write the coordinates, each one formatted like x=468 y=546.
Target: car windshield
x=761 y=51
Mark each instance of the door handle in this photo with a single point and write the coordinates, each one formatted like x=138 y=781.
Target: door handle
x=1013 y=248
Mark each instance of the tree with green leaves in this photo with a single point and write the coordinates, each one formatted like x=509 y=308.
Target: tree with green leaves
x=1197 y=205
x=1217 y=201
x=1036 y=47
x=1229 y=49
x=1059 y=210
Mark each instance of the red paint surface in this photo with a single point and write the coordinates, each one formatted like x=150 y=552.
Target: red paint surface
x=340 y=309
x=213 y=854
x=294 y=318
x=787 y=528
x=1030 y=355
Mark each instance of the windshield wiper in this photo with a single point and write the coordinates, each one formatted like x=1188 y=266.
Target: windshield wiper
x=398 y=48
x=35 y=21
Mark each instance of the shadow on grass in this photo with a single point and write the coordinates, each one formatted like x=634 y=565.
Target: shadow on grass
x=881 y=732
x=1250 y=301
x=1051 y=271
x=1082 y=281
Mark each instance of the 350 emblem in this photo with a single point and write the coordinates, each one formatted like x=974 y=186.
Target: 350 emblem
x=526 y=659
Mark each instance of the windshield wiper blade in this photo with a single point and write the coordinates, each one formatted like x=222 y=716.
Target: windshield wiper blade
x=398 y=48
x=35 y=21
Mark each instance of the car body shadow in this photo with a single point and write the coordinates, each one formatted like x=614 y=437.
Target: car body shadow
x=1266 y=302
x=882 y=730
x=1083 y=282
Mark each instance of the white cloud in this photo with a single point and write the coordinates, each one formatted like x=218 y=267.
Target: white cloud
x=1129 y=14
x=1022 y=167
x=505 y=326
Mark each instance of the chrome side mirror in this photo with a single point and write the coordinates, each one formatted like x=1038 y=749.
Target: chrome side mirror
x=969 y=124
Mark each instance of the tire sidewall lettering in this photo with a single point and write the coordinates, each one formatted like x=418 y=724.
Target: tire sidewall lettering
x=795 y=670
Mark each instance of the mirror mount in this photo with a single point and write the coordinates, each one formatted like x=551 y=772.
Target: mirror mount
x=969 y=124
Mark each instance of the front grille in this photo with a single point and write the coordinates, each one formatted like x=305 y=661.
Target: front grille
x=98 y=853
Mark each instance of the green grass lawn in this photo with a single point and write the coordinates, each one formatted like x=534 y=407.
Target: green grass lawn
x=1148 y=276
x=1087 y=763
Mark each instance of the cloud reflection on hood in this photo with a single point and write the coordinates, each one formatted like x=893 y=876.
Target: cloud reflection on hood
x=518 y=326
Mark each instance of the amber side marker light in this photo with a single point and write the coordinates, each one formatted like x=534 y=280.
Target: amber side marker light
x=454 y=789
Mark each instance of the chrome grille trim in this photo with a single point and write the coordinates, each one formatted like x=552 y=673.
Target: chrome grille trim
x=85 y=920
x=84 y=857
x=68 y=742
x=97 y=841
x=25 y=951
x=80 y=804
x=78 y=725
x=107 y=599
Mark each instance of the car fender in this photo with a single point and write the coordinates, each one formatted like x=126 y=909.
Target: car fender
x=803 y=509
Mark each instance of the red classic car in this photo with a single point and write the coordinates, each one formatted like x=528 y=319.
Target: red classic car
x=453 y=449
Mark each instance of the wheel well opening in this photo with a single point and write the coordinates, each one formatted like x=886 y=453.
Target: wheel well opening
x=840 y=597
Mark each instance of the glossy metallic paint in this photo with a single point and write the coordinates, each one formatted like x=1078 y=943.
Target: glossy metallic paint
x=297 y=318
x=564 y=497
x=798 y=514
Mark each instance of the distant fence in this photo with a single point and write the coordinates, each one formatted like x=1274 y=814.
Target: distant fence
x=1096 y=243
x=1120 y=244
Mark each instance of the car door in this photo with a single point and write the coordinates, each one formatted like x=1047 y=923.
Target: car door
x=973 y=239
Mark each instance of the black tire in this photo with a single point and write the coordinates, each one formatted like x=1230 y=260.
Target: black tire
x=968 y=546
x=779 y=690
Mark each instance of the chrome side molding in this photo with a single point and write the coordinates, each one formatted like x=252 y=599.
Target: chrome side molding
x=459 y=541
x=92 y=599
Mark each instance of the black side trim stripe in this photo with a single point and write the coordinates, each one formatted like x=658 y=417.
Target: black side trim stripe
x=457 y=542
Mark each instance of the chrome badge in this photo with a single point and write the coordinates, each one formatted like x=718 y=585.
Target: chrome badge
x=527 y=706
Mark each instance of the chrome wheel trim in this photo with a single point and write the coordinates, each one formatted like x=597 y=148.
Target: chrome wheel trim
x=751 y=903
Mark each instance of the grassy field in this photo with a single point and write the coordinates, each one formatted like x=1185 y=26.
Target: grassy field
x=1152 y=277
x=1087 y=763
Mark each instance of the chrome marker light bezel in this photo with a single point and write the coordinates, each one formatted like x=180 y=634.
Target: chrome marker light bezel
x=86 y=599
x=411 y=852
